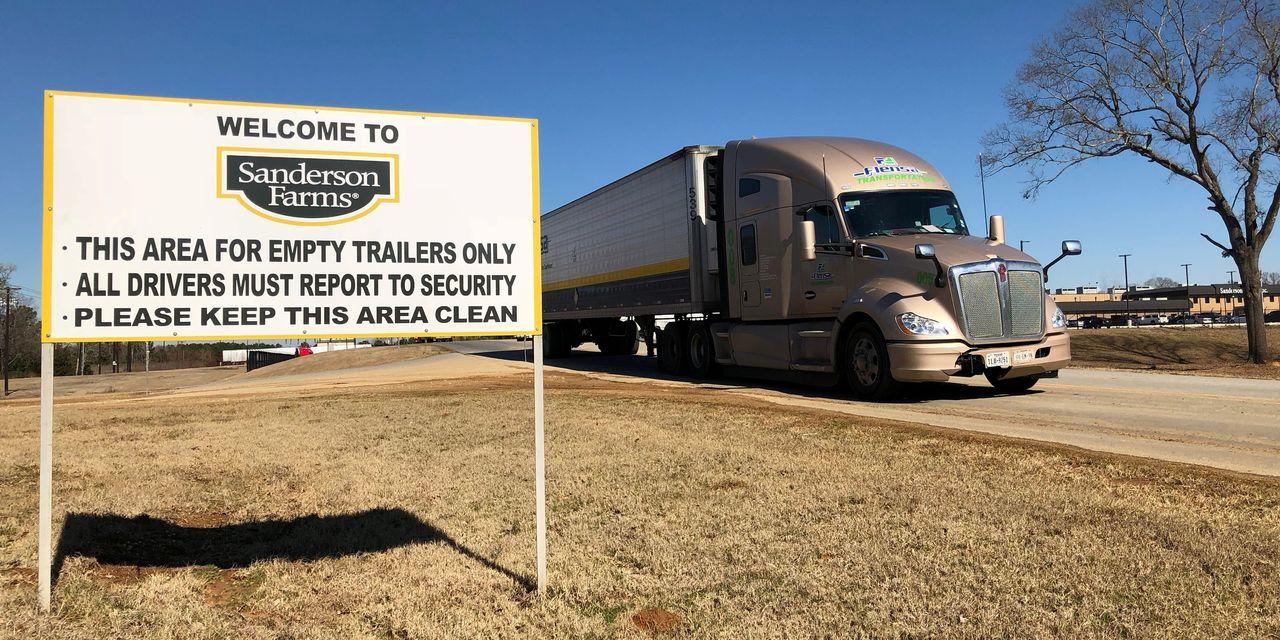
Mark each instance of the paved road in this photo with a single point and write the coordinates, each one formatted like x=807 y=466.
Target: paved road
x=1221 y=422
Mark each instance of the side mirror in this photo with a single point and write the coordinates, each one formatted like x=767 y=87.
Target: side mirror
x=925 y=251
x=808 y=242
x=1069 y=248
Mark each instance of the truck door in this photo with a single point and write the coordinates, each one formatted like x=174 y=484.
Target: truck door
x=824 y=283
x=763 y=198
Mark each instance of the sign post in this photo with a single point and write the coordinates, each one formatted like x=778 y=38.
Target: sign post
x=45 y=528
x=175 y=220
x=539 y=465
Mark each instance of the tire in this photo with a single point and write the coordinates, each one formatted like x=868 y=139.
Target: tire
x=864 y=365
x=626 y=344
x=1021 y=384
x=700 y=351
x=671 y=348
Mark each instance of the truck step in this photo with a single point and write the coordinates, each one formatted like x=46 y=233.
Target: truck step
x=813 y=366
x=816 y=333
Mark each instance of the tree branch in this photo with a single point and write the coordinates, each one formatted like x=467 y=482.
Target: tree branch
x=1225 y=251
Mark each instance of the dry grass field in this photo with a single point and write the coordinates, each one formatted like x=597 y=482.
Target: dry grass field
x=125 y=383
x=1196 y=350
x=406 y=511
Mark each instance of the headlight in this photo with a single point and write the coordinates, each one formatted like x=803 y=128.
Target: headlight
x=913 y=324
x=1059 y=319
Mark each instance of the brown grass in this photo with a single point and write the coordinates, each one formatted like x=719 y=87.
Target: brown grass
x=136 y=382
x=349 y=359
x=407 y=512
x=1194 y=350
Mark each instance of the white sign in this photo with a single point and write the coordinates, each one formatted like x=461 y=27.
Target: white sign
x=171 y=219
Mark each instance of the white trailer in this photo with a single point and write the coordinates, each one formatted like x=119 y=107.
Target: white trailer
x=639 y=246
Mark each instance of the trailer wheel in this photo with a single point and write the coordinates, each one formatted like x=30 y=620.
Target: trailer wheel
x=864 y=364
x=1010 y=385
x=626 y=344
x=671 y=347
x=700 y=352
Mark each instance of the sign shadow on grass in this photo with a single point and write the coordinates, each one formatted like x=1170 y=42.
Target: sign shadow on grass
x=144 y=541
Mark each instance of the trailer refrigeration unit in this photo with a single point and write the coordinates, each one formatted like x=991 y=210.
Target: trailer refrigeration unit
x=831 y=258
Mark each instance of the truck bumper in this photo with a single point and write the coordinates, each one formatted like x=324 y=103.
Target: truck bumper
x=938 y=361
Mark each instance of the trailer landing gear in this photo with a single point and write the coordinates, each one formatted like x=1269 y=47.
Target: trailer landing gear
x=648 y=332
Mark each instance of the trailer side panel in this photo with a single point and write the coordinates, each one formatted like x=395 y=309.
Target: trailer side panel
x=632 y=247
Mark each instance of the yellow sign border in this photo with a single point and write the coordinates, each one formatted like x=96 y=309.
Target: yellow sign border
x=244 y=202
x=46 y=304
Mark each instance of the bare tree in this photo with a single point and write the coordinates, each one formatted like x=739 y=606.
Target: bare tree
x=1191 y=86
x=1161 y=281
x=1271 y=277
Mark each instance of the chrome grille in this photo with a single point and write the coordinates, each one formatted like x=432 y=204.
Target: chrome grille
x=980 y=300
x=999 y=300
x=1026 y=303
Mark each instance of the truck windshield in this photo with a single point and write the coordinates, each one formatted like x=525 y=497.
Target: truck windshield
x=887 y=213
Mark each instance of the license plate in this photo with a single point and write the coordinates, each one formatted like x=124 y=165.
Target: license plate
x=996 y=359
x=1024 y=356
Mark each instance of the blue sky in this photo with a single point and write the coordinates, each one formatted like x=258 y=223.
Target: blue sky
x=615 y=87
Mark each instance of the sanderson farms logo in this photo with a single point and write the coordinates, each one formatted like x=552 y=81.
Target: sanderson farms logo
x=308 y=187
x=887 y=168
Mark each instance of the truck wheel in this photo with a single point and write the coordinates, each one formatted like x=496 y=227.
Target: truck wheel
x=700 y=351
x=626 y=344
x=671 y=347
x=864 y=365
x=1010 y=385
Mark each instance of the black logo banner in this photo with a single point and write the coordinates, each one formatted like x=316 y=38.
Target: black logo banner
x=307 y=187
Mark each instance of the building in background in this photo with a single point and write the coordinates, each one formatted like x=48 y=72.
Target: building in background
x=1217 y=299
x=1222 y=299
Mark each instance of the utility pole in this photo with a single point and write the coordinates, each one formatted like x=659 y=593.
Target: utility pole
x=1231 y=277
x=8 y=322
x=982 y=177
x=1186 y=269
x=1125 y=296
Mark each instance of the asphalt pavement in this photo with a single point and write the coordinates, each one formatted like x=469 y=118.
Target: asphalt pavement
x=1230 y=423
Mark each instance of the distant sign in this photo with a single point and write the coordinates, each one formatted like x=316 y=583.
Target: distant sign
x=171 y=219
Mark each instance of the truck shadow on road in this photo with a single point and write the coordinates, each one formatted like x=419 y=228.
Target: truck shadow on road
x=144 y=541
x=647 y=368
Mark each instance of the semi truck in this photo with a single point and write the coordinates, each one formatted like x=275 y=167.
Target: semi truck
x=836 y=260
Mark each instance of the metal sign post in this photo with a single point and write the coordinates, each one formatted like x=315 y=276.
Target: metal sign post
x=539 y=465
x=46 y=475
